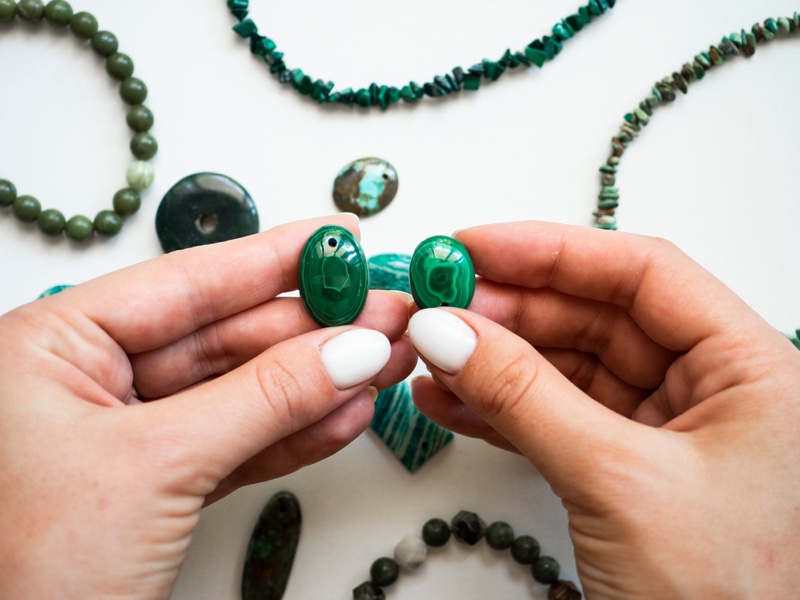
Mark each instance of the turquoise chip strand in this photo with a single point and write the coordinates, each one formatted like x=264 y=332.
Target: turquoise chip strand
x=538 y=52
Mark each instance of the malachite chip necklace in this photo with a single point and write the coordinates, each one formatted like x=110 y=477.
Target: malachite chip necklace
x=538 y=52
x=667 y=90
x=133 y=91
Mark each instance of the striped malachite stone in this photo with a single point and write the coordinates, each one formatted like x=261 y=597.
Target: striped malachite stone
x=53 y=291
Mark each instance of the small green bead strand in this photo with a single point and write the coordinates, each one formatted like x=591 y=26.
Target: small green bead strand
x=133 y=91
x=538 y=52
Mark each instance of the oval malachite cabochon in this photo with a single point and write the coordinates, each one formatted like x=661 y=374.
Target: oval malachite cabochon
x=442 y=274
x=333 y=276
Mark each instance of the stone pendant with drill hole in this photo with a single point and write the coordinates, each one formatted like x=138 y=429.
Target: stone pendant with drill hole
x=441 y=273
x=366 y=186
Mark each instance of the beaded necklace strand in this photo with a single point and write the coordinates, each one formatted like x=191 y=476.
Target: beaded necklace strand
x=536 y=53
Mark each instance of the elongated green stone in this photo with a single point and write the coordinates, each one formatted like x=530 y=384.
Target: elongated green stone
x=441 y=273
x=270 y=553
x=333 y=276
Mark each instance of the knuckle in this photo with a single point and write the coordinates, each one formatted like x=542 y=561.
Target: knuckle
x=508 y=389
x=282 y=388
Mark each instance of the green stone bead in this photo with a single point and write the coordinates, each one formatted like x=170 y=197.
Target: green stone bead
x=51 y=221
x=127 y=202
x=107 y=223
x=79 y=228
x=441 y=273
x=8 y=192
x=384 y=571
x=30 y=10
x=119 y=66
x=333 y=276
x=436 y=533
x=139 y=175
x=545 y=570
x=500 y=535
x=144 y=146
x=525 y=550
x=58 y=13
x=8 y=10
x=140 y=118
x=27 y=208
x=105 y=43
x=83 y=25
x=133 y=90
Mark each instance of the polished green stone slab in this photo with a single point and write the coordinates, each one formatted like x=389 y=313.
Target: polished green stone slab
x=333 y=276
x=442 y=273
x=53 y=291
x=366 y=186
x=270 y=553
x=389 y=272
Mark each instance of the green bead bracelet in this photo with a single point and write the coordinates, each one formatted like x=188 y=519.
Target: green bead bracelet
x=133 y=92
x=538 y=52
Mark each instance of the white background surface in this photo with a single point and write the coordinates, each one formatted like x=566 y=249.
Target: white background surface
x=716 y=173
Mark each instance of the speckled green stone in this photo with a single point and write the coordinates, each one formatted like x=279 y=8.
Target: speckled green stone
x=545 y=570
x=365 y=186
x=79 y=228
x=51 y=221
x=442 y=273
x=500 y=535
x=270 y=552
x=333 y=276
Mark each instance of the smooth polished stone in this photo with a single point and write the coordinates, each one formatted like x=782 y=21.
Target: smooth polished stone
x=58 y=13
x=107 y=223
x=270 y=553
x=83 y=25
x=368 y=591
x=546 y=569
x=333 y=276
x=139 y=118
x=411 y=552
x=442 y=273
x=204 y=208
x=79 y=228
x=8 y=10
x=30 y=10
x=468 y=527
x=26 y=208
x=8 y=192
x=51 y=222
x=525 y=550
x=133 y=90
x=500 y=535
x=389 y=272
x=52 y=291
x=140 y=175
x=436 y=532
x=105 y=43
x=127 y=202
x=384 y=571
x=365 y=186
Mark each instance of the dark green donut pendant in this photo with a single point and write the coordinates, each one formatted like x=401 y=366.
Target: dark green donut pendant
x=333 y=276
x=441 y=273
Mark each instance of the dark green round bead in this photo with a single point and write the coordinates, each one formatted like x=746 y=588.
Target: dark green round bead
x=58 y=13
x=8 y=191
x=105 y=43
x=140 y=118
x=525 y=550
x=144 y=146
x=27 y=208
x=8 y=10
x=436 y=533
x=79 y=228
x=545 y=570
x=127 y=202
x=441 y=273
x=51 y=221
x=119 y=66
x=500 y=535
x=133 y=90
x=83 y=25
x=30 y=10
x=107 y=223
x=384 y=571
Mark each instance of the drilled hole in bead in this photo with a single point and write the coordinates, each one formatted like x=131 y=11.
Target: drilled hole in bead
x=332 y=242
x=207 y=223
x=445 y=304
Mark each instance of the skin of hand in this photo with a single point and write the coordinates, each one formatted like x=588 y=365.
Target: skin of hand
x=99 y=492
x=663 y=411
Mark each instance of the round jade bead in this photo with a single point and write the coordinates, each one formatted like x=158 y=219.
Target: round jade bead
x=333 y=276
x=79 y=228
x=58 y=13
x=139 y=175
x=51 y=221
x=83 y=25
x=8 y=10
x=500 y=535
x=133 y=90
x=27 y=208
x=105 y=43
x=144 y=146
x=545 y=570
x=30 y=10
x=8 y=191
x=127 y=202
x=119 y=66
x=436 y=532
x=107 y=223
x=441 y=274
x=140 y=118
x=525 y=550
x=384 y=571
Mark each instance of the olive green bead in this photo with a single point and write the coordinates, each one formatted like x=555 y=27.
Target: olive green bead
x=51 y=221
x=436 y=532
x=27 y=208
x=105 y=43
x=107 y=223
x=8 y=192
x=127 y=202
x=441 y=273
x=140 y=118
x=58 y=13
x=144 y=146
x=79 y=228
x=83 y=25
x=30 y=10
x=119 y=66
x=133 y=90
x=8 y=10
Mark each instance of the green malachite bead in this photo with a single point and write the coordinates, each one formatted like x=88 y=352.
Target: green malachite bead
x=442 y=273
x=79 y=228
x=26 y=208
x=127 y=202
x=30 y=10
x=133 y=90
x=51 y=221
x=537 y=57
x=83 y=25
x=333 y=276
x=119 y=66
x=8 y=192
x=365 y=186
x=144 y=146
x=58 y=13
x=8 y=10
x=105 y=43
x=107 y=223
x=140 y=118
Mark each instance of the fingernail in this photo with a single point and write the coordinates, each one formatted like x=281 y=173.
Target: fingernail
x=354 y=356
x=373 y=392
x=442 y=338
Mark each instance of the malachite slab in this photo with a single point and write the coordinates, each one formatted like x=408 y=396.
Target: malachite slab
x=366 y=186
x=389 y=272
x=411 y=436
x=442 y=273
x=333 y=276
x=270 y=553
x=205 y=208
x=53 y=291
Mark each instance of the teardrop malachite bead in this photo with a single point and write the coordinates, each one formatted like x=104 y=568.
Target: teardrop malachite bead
x=333 y=276
x=442 y=273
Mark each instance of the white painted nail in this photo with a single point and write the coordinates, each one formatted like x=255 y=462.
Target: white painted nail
x=355 y=356
x=442 y=338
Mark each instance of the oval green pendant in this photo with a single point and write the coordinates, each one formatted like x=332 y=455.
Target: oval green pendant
x=333 y=276
x=442 y=274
